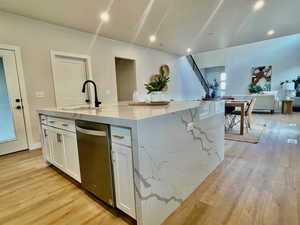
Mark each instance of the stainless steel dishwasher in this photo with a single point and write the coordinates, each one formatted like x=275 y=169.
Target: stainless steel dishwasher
x=94 y=149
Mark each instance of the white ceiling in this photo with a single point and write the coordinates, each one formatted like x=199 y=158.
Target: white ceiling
x=179 y=24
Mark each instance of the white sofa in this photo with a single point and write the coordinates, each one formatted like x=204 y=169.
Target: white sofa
x=296 y=102
x=266 y=102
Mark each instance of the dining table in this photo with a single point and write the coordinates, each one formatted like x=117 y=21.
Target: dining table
x=242 y=104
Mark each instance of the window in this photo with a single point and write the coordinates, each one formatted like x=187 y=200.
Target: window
x=223 y=78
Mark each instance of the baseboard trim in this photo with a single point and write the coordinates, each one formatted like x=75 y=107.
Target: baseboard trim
x=35 y=146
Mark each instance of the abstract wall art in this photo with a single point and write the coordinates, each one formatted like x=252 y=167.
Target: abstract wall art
x=262 y=77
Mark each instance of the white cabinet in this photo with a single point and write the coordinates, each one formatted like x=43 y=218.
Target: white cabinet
x=60 y=147
x=45 y=144
x=123 y=175
x=71 y=155
x=56 y=148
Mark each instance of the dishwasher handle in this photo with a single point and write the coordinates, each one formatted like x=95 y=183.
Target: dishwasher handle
x=91 y=132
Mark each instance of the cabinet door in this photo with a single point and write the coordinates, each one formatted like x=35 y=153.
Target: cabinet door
x=123 y=175
x=45 y=144
x=71 y=154
x=56 y=148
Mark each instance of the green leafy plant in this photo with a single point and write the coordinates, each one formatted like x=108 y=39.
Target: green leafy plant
x=254 y=89
x=158 y=83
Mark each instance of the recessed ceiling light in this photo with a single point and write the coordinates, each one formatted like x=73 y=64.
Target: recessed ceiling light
x=189 y=50
x=271 y=32
x=104 y=16
x=152 y=38
x=258 y=5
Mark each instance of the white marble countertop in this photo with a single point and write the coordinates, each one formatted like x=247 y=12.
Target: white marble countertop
x=124 y=111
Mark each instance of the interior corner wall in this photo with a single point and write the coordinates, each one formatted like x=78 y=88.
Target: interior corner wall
x=191 y=87
x=37 y=38
x=282 y=53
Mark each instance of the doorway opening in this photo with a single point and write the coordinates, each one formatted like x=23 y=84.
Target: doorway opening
x=126 y=78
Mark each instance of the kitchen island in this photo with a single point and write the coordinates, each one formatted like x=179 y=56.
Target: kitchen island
x=173 y=147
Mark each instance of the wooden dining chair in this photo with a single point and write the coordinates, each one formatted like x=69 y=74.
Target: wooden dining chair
x=228 y=111
x=249 y=113
x=248 y=116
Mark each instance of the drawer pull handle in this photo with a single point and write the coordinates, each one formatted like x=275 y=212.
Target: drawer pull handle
x=65 y=125
x=118 y=136
x=58 y=137
x=51 y=121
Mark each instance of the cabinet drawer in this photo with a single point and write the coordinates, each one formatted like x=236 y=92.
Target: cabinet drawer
x=51 y=121
x=67 y=125
x=62 y=123
x=121 y=135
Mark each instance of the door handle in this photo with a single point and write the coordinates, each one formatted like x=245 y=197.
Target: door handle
x=91 y=132
x=58 y=137
x=19 y=107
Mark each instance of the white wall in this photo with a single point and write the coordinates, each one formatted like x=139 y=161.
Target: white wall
x=37 y=38
x=191 y=88
x=282 y=53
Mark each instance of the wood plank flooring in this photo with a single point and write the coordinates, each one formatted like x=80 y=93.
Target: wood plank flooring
x=255 y=185
x=32 y=194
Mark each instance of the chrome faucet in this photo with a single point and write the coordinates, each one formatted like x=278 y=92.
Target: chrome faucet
x=97 y=102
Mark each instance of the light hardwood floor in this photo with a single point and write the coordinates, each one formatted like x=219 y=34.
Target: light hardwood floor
x=32 y=194
x=255 y=185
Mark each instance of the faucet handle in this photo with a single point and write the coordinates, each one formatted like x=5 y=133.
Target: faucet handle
x=98 y=103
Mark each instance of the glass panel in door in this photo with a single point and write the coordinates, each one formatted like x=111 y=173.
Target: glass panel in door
x=7 y=130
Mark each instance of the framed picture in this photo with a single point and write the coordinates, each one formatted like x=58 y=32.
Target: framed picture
x=262 y=76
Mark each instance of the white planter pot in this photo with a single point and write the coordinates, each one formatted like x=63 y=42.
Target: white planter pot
x=157 y=96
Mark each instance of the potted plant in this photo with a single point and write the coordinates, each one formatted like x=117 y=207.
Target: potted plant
x=157 y=85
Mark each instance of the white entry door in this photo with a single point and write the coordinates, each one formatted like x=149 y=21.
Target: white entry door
x=12 y=125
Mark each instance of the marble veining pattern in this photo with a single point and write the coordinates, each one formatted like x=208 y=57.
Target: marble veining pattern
x=169 y=170
x=154 y=175
x=197 y=133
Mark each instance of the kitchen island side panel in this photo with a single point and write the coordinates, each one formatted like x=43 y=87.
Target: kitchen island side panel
x=176 y=152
